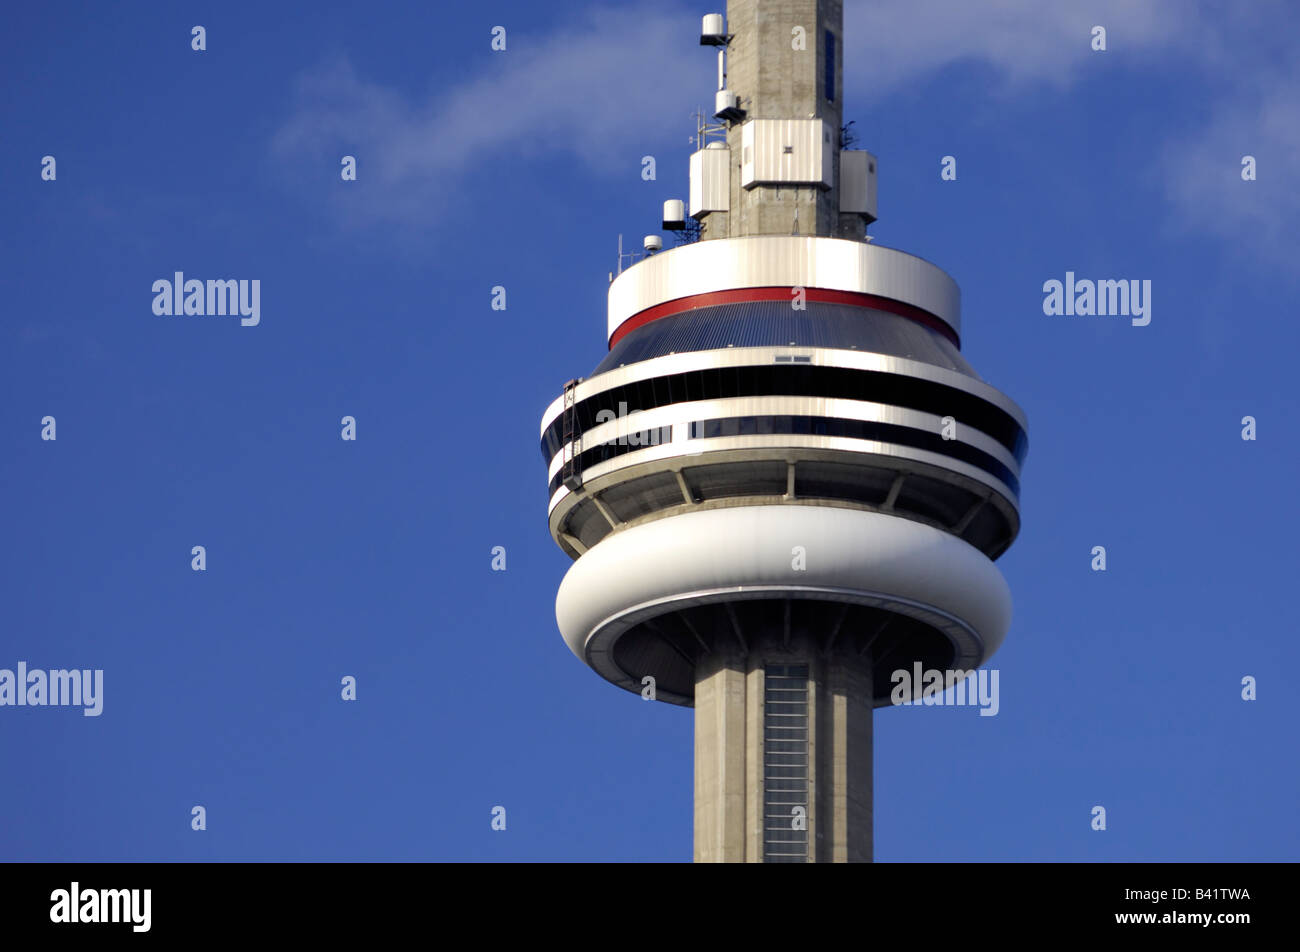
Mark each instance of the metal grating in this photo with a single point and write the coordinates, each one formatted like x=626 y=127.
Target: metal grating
x=785 y=762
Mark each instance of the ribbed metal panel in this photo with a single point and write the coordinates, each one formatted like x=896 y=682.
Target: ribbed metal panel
x=786 y=151
x=858 y=183
x=710 y=181
x=776 y=323
x=764 y=261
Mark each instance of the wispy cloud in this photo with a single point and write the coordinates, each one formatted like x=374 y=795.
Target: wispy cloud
x=611 y=80
x=1203 y=171
x=1238 y=50
x=615 y=79
x=1024 y=41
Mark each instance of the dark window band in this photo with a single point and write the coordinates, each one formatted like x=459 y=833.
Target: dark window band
x=803 y=425
x=794 y=380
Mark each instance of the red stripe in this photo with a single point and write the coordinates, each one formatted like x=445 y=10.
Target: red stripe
x=738 y=295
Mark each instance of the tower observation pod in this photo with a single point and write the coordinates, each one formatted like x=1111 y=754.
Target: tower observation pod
x=784 y=482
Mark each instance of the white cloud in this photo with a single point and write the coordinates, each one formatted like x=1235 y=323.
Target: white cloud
x=1027 y=43
x=615 y=80
x=612 y=80
x=894 y=42
x=1203 y=171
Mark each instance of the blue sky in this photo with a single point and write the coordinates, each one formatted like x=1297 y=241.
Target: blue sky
x=372 y=558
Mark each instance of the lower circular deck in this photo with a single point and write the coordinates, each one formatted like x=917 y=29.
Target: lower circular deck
x=669 y=645
x=654 y=599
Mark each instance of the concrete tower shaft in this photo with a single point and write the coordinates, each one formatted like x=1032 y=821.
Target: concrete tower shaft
x=785 y=66
x=778 y=726
x=777 y=59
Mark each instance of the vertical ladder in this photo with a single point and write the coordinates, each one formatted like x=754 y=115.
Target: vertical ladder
x=571 y=471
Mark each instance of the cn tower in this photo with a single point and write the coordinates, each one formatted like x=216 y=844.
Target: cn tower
x=783 y=482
